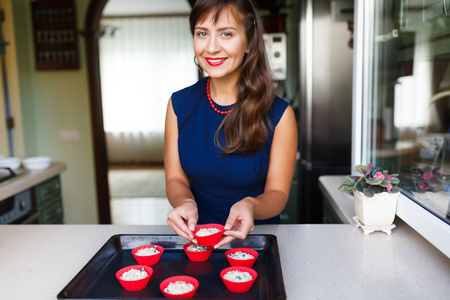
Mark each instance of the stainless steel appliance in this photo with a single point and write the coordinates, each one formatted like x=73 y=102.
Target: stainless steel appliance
x=326 y=63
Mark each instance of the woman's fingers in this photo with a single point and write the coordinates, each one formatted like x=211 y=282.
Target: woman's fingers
x=178 y=231
x=181 y=220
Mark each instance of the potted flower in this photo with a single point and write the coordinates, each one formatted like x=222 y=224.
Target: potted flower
x=375 y=193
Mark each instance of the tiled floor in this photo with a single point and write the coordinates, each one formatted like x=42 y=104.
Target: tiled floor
x=138 y=195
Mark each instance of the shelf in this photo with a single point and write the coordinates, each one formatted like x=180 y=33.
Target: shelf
x=55 y=35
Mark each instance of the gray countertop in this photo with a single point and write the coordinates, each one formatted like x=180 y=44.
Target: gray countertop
x=318 y=261
x=27 y=179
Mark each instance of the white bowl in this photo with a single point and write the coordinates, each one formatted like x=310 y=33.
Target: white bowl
x=10 y=162
x=37 y=163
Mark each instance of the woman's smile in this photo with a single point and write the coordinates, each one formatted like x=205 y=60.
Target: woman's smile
x=215 y=61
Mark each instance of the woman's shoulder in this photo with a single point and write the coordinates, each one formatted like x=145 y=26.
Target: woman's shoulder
x=197 y=87
x=277 y=110
x=185 y=98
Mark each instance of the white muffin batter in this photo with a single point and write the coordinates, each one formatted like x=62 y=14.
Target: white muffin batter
x=198 y=248
x=179 y=287
x=207 y=231
x=147 y=251
x=134 y=274
x=241 y=255
x=238 y=276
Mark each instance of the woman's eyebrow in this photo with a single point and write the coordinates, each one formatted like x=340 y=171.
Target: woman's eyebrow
x=227 y=28
x=219 y=29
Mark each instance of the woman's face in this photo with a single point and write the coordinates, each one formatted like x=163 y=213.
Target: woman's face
x=220 y=48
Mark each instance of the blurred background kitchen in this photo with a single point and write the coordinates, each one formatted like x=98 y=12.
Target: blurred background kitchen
x=94 y=96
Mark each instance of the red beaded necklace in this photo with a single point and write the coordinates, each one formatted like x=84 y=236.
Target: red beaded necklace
x=222 y=112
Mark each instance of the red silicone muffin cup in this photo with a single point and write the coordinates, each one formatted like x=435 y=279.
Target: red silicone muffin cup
x=134 y=285
x=148 y=259
x=242 y=262
x=197 y=256
x=238 y=287
x=188 y=279
x=209 y=240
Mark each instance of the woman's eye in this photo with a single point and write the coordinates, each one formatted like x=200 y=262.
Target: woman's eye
x=201 y=34
x=227 y=34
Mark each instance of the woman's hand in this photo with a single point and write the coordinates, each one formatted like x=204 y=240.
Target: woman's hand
x=183 y=219
x=240 y=221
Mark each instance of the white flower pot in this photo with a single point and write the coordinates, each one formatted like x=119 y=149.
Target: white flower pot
x=378 y=210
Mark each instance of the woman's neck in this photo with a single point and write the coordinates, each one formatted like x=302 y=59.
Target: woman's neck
x=223 y=91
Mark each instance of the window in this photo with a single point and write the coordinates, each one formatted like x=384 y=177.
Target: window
x=405 y=92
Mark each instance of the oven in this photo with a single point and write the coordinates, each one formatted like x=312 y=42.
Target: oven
x=18 y=209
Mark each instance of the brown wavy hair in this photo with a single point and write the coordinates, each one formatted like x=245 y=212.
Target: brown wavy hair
x=245 y=127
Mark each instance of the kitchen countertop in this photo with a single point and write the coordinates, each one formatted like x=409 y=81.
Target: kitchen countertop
x=27 y=179
x=436 y=231
x=318 y=261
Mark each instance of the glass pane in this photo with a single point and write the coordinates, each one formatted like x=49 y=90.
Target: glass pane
x=409 y=101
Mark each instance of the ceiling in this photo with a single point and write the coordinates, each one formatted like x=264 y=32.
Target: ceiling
x=146 y=7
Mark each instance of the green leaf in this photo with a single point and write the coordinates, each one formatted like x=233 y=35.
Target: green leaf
x=395 y=181
x=360 y=185
x=347 y=188
x=385 y=183
x=425 y=167
x=368 y=193
x=416 y=180
x=376 y=189
x=359 y=169
x=376 y=181
x=395 y=190
x=348 y=180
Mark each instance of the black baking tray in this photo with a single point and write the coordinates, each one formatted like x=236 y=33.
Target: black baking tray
x=97 y=279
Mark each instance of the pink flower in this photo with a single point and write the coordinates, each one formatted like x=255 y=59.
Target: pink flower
x=428 y=175
x=423 y=186
x=379 y=175
x=389 y=187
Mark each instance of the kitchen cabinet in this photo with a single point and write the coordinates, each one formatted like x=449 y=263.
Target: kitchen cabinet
x=49 y=201
x=43 y=192
x=329 y=214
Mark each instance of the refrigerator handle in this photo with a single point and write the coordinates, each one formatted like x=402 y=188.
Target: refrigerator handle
x=446 y=7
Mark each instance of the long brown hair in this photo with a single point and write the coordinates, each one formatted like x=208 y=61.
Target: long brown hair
x=245 y=127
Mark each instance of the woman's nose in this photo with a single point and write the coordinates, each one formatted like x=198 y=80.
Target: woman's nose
x=213 y=45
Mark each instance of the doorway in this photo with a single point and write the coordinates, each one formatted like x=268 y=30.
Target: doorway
x=116 y=165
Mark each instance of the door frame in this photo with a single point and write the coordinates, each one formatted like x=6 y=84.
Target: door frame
x=92 y=36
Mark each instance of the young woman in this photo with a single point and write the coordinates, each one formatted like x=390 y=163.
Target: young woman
x=230 y=142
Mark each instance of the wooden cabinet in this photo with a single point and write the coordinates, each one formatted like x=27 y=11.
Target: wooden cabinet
x=55 y=35
x=49 y=201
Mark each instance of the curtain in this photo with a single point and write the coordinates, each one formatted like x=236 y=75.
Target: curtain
x=143 y=60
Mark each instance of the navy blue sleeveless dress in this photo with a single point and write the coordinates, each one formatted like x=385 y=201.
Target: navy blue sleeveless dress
x=218 y=181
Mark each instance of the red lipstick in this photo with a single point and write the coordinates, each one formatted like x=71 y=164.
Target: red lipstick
x=215 y=61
